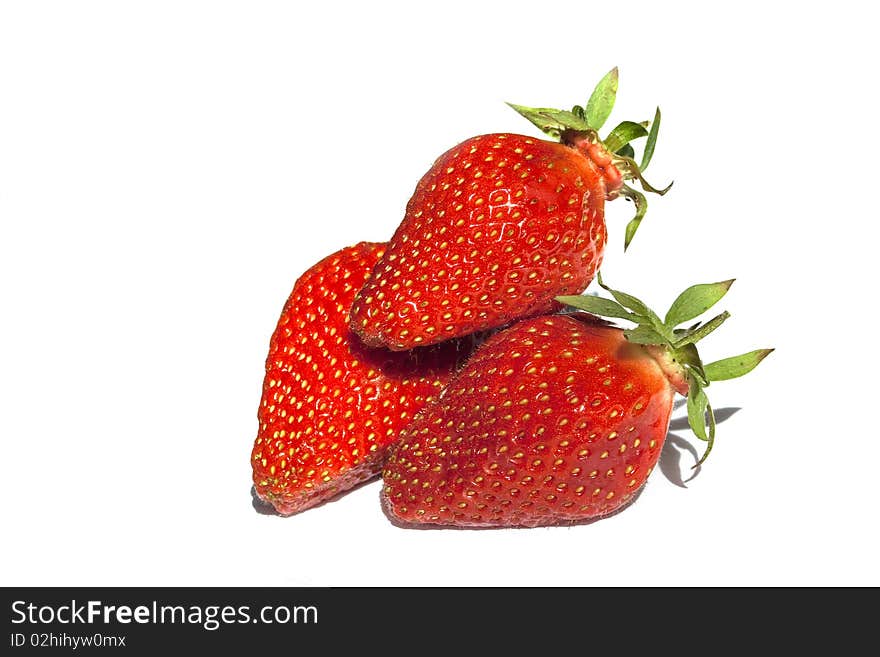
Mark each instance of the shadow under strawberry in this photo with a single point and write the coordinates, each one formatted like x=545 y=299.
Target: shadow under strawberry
x=675 y=446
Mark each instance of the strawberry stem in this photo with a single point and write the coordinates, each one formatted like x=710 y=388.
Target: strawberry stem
x=582 y=124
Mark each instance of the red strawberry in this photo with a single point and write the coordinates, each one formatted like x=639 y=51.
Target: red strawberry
x=499 y=226
x=330 y=405
x=556 y=419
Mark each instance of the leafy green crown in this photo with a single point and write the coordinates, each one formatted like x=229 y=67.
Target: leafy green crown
x=586 y=121
x=679 y=343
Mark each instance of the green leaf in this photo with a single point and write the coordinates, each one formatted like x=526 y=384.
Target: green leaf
x=551 y=121
x=696 y=300
x=567 y=119
x=602 y=100
x=699 y=411
x=631 y=171
x=539 y=119
x=639 y=308
x=578 y=111
x=644 y=335
x=641 y=204
x=626 y=151
x=598 y=306
x=697 y=403
x=711 y=437
x=624 y=299
x=735 y=366
x=652 y=141
x=624 y=133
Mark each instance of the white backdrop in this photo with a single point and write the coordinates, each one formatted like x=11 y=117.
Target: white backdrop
x=168 y=169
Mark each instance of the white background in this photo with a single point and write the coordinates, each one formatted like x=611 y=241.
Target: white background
x=168 y=169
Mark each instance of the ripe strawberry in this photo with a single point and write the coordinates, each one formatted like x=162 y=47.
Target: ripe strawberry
x=331 y=406
x=500 y=225
x=556 y=419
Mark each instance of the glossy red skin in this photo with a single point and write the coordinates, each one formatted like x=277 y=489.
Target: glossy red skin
x=554 y=420
x=331 y=406
x=499 y=226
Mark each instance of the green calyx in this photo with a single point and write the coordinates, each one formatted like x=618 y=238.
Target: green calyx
x=677 y=345
x=585 y=122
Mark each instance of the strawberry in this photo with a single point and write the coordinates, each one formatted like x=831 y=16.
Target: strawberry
x=501 y=224
x=557 y=419
x=331 y=406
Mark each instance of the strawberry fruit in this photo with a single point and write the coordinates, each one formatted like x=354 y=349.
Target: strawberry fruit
x=503 y=223
x=331 y=406
x=558 y=419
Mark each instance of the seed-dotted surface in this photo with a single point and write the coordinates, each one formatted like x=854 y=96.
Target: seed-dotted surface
x=331 y=406
x=499 y=226
x=556 y=419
